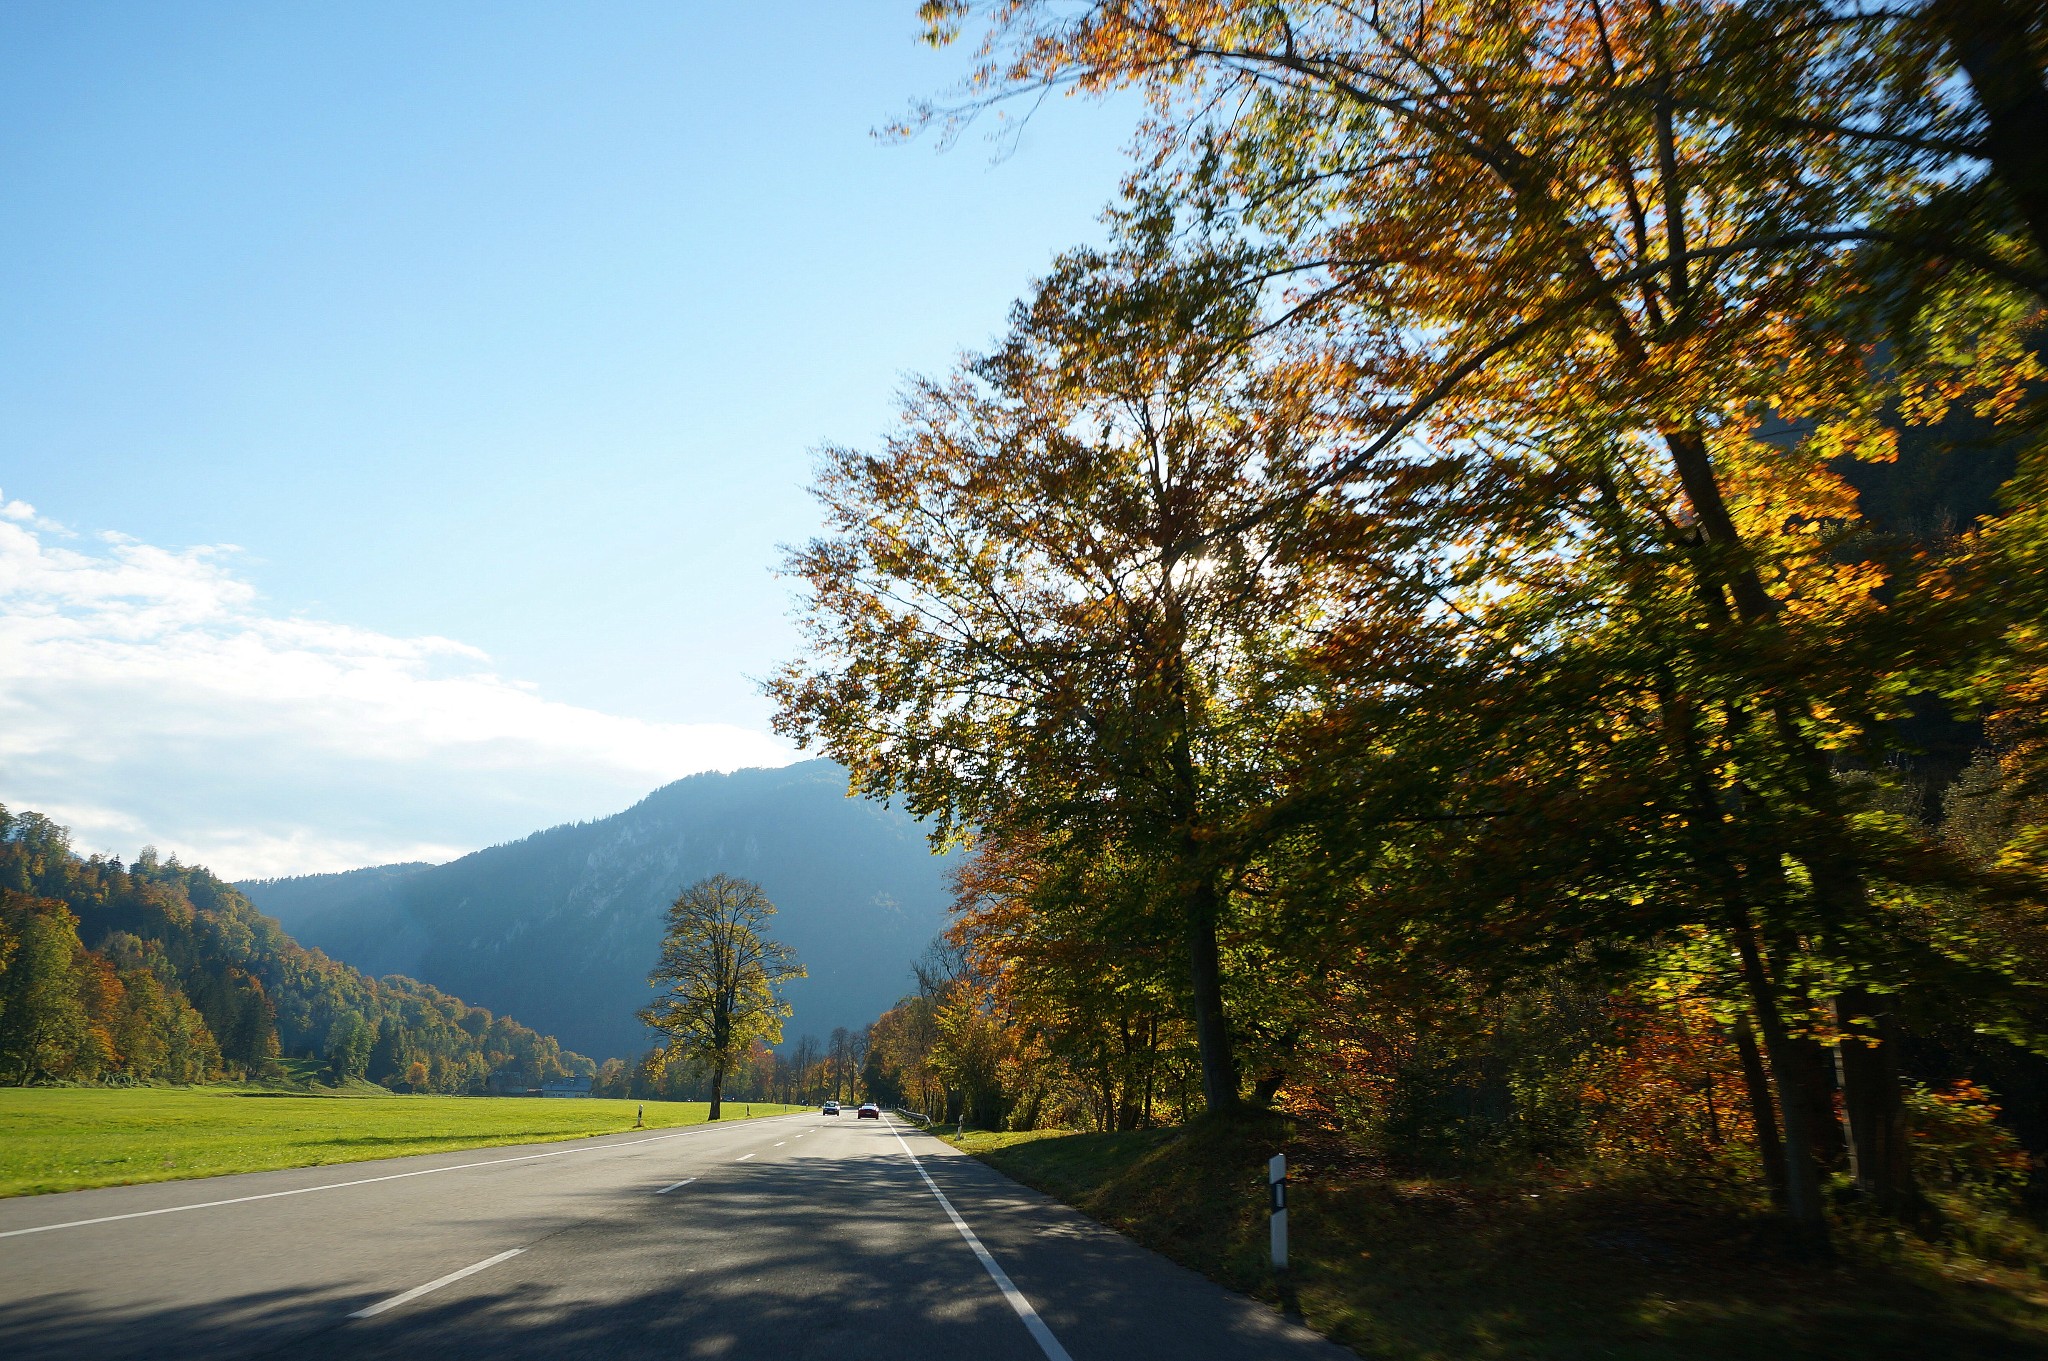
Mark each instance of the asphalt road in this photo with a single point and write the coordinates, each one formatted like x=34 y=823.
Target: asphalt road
x=769 y=1238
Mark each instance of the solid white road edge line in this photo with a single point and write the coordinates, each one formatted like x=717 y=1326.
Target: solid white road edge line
x=360 y=1181
x=673 y=1185
x=420 y=1290
x=1033 y=1324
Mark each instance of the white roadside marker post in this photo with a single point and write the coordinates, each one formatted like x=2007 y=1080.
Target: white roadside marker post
x=1276 y=1178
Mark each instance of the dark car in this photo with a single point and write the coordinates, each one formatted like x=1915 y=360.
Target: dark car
x=868 y=1112
x=830 y=1108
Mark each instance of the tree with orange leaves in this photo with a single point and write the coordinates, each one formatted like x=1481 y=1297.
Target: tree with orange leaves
x=1049 y=603
x=1591 y=254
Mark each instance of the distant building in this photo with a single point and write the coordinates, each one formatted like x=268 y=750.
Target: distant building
x=507 y=1082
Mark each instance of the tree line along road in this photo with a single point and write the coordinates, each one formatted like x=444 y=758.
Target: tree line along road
x=757 y=1239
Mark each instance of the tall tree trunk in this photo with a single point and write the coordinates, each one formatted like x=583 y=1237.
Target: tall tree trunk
x=1837 y=880
x=1726 y=567
x=1709 y=831
x=1763 y=1112
x=1812 y=1083
x=717 y=1087
x=1205 y=977
x=1802 y=1179
x=1993 y=41
x=1128 y=1088
x=1873 y=1100
x=1151 y=1063
x=1810 y=1077
x=1873 y=1105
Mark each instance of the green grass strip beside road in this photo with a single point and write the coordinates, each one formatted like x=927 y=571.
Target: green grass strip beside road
x=1553 y=1268
x=69 y=1138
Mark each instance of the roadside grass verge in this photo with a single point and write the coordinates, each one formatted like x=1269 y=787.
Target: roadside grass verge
x=1549 y=1267
x=69 y=1138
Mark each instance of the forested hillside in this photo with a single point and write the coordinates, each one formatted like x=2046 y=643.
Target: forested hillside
x=562 y=927
x=157 y=971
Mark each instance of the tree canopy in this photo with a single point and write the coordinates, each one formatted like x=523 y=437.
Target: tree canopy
x=720 y=979
x=1502 y=540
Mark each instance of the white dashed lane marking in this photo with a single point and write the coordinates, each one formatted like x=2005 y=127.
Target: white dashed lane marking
x=420 y=1290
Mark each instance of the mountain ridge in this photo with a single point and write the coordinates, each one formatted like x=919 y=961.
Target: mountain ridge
x=562 y=925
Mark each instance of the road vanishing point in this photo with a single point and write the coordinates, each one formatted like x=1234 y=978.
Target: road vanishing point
x=766 y=1238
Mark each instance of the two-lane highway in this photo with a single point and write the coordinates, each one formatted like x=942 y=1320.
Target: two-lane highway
x=764 y=1238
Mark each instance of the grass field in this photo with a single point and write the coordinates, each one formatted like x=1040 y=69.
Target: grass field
x=1420 y=1269
x=66 y=1138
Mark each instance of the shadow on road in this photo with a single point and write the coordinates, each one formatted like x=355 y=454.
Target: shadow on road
x=753 y=1260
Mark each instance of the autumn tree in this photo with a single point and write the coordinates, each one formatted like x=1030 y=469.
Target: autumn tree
x=44 y=1026
x=899 y=1060
x=1659 y=244
x=720 y=978
x=1050 y=601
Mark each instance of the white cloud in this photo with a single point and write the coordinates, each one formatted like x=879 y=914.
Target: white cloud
x=26 y=514
x=147 y=695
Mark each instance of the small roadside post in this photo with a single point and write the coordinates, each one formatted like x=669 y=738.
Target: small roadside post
x=639 y=1117
x=1276 y=1179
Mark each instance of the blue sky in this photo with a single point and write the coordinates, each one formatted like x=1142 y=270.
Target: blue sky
x=351 y=353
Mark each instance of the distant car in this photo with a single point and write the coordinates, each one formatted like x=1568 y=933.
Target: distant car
x=830 y=1108
x=868 y=1112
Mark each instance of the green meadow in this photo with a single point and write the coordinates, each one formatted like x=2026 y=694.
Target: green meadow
x=68 y=1138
